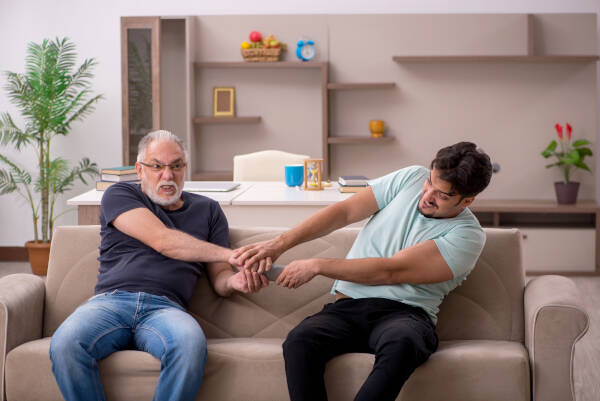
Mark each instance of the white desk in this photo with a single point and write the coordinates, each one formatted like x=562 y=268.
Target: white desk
x=253 y=203
x=93 y=197
x=275 y=204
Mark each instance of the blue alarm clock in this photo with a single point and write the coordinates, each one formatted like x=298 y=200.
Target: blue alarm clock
x=305 y=50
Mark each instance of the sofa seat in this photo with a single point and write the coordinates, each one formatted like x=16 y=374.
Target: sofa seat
x=459 y=370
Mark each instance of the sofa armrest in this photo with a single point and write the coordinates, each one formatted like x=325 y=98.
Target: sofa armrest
x=554 y=321
x=21 y=314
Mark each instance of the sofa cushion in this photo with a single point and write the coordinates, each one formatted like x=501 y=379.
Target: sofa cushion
x=244 y=369
x=253 y=369
x=458 y=371
x=133 y=375
x=125 y=375
x=489 y=303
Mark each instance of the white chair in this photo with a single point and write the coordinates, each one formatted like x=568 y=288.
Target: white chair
x=266 y=165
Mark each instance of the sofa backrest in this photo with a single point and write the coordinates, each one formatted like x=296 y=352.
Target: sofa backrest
x=488 y=305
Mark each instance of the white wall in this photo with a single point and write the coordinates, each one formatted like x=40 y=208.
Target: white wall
x=94 y=27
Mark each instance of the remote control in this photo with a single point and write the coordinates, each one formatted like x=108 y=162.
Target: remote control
x=274 y=272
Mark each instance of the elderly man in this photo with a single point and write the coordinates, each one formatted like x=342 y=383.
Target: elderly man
x=420 y=243
x=156 y=242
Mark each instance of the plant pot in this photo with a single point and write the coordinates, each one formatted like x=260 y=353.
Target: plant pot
x=566 y=192
x=39 y=253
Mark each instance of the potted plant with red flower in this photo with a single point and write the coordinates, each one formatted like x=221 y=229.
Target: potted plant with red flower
x=570 y=154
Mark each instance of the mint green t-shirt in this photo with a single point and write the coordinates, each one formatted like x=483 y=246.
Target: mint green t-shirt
x=397 y=225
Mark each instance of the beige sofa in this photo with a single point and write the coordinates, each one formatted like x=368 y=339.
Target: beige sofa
x=500 y=339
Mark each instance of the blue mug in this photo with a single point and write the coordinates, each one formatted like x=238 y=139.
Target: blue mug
x=294 y=175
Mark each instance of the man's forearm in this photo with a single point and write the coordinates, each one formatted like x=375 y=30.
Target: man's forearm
x=372 y=271
x=319 y=224
x=221 y=282
x=181 y=246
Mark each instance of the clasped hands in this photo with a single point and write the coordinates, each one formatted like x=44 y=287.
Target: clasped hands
x=259 y=257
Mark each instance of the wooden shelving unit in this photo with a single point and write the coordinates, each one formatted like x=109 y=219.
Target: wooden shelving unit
x=358 y=140
x=533 y=206
x=206 y=120
x=334 y=140
x=360 y=85
x=227 y=120
x=275 y=64
x=321 y=66
x=536 y=215
x=498 y=58
x=529 y=57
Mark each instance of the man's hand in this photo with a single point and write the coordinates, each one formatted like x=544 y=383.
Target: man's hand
x=246 y=281
x=258 y=256
x=298 y=272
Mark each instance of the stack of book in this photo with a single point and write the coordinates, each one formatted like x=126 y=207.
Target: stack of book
x=352 y=183
x=116 y=174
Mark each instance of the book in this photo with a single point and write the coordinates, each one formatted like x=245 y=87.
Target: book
x=119 y=177
x=103 y=185
x=352 y=188
x=354 y=180
x=119 y=170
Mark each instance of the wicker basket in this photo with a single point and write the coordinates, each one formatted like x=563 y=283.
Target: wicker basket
x=260 y=55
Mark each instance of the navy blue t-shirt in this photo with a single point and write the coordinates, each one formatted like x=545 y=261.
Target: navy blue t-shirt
x=129 y=265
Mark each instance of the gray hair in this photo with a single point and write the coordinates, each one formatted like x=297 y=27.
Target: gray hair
x=160 y=135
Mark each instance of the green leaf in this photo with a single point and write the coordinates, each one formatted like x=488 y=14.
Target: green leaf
x=583 y=166
x=10 y=133
x=572 y=158
x=581 y=142
x=553 y=164
x=551 y=147
x=7 y=183
x=19 y=175
x=64 y=180
x=575 y=156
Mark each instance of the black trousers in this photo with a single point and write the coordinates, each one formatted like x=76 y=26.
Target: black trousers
x=401 y=336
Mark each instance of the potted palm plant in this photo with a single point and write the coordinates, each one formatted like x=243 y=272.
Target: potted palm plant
x=570 y=154
x=51 y=95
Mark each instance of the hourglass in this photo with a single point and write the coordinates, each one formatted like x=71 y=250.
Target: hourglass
x=312 y=174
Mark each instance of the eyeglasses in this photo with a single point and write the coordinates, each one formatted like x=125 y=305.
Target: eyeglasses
x=158 y=167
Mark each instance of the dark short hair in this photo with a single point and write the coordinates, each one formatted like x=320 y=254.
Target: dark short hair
x=467 y=168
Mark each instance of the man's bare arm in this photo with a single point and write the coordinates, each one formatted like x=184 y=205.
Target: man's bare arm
x=419 y=264
x=143 y=225
x=225 y=281
x=356 y=208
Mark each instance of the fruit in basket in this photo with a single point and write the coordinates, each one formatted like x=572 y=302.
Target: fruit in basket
x=262 y=49
x=255 y=36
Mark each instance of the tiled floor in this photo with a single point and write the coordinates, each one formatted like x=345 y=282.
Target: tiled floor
x=587 y=350
x=7 y=268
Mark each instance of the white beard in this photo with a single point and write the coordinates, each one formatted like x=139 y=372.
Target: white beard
x=153 y=192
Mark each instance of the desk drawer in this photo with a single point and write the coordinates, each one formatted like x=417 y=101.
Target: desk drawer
x=559 y=249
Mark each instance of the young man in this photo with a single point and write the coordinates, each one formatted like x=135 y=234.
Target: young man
x=156 y=241
x=420 y=243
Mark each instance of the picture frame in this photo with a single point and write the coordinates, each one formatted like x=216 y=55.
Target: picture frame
x=224 y=101
x=313 y=170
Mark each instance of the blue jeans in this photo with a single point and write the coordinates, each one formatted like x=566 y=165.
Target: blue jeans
x=120 y=320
